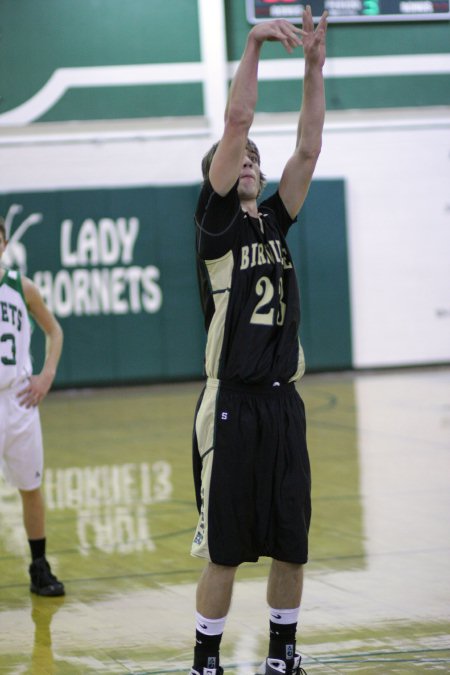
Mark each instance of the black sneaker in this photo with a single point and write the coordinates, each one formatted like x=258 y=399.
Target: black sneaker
x=279 y=667
x=43 y=582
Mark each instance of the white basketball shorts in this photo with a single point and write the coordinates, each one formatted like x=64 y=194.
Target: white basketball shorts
x=21 y=449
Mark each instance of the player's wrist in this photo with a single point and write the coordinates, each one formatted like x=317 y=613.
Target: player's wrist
x=255 y=39
x=48 y=375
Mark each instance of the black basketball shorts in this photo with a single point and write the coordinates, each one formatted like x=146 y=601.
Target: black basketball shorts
x=251 y=474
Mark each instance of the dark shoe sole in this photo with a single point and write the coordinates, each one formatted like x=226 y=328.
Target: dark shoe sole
x=48 y=591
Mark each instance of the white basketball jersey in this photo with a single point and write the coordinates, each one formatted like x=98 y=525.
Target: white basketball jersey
x=15 y=331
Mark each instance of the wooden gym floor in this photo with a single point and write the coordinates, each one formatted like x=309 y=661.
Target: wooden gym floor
x=121 y=514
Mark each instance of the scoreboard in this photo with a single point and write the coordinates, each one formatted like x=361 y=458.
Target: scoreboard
x=350 y=11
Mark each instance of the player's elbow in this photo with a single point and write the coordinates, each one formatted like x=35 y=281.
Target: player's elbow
x=56 y=333
x=239 y=116
x=310 y=152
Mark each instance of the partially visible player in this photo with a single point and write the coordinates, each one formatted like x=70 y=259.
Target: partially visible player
x=21 y=450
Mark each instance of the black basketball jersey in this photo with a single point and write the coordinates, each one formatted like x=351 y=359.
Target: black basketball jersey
x=248 y=289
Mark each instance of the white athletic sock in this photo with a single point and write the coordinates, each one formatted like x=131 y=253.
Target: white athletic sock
x=283 y=628
x=284 y=616
x=209 y=626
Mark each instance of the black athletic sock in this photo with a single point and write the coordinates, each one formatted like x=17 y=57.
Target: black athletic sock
x=282 y=641
x=206 y=650
x=37 y=548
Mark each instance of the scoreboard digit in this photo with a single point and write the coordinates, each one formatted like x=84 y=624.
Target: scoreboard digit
x=350 y=11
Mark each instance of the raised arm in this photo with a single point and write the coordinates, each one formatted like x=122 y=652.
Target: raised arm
x=227 y=162
x=298 y=172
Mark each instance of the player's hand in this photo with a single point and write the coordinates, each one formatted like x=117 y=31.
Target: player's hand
x=36 y=389
x=278 y=30
x=313 y=41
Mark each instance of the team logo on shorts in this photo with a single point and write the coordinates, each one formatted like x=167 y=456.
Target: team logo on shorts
x=198 y=538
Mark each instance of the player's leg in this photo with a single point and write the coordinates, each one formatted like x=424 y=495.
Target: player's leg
x=214 y=592
x=215 y=589
x=285 y=583
x=25 y=459
x=284 y=592
x=215 y=586
x=43 y=581
x=33 y=510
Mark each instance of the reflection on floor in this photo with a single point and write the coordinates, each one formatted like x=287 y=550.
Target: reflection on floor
x=121 y=516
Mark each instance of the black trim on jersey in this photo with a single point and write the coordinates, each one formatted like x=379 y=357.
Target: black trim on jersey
x=214 y=217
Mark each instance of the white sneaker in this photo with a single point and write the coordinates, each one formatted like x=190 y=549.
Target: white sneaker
x=207 y=671
x=278 y=667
